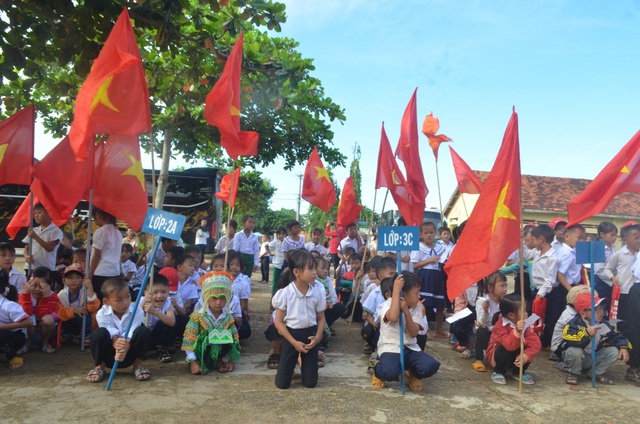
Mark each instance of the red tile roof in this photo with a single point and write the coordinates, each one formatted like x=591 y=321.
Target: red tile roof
x=552 y=194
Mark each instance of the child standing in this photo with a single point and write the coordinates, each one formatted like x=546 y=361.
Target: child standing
x=503 y=352
x=106 y=250
x=13 y=321
x=418 y=364
x=41 y=303
x=316 y=243
x=46 y=240
x=299 y=320
x=275 y=247
x=226 y=242
x=211 y=334
x=7 y=257
x=111 y=342
x=426 y=261
x=608 y=233
x=73 y=308
x=265 y=258
x=241 y=289
x=545 y=281
x=294 y=241
x=491 y=290
x=620 y=265
x=247 y=244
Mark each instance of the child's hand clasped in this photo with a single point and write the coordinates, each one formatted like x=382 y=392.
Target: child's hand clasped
x=522 y=357
x=520 y=325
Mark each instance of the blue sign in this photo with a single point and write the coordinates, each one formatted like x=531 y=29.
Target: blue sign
x=590 y=252
x=163 y=224
x=398 y=238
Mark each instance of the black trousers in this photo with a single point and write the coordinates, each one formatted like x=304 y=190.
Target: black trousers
x=264 y=267
x=289 y=359
x=161 y=336
x=244 y=330
x=335 y=312
x=335 y=260
x=11 y=342
x=483 y=335
x=370 y=334
x=556 y=304
x=504 y=361
x=632 y=329
x=463 y=328
x=102 y=347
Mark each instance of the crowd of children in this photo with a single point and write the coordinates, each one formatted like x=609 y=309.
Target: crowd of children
x=203 y=308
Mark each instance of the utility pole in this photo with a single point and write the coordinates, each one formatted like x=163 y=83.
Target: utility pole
x=299 y=197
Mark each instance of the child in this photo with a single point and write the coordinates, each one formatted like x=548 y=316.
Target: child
x=265 y=258
x=13 y=320
x=78 y=302
x=294 y=241
x=246 y=242
x=418 y=364
x=202 y=236
x=41 y=303
x=106 y=249
x=278 y=256
x=343 y=266
x=111 y=342
x=79 y=257
x=608 y=233
x=545 y=282
x=334 y=309
x=172 y=254
x=161 y=317
x=7 y=257
x=316 y=243
x=127 y=268
x=558 y=225
x=211 y=334
x=567 y=315
x=426 y=261
x=503 y=352
x=226 y=242
x=490 y=290
x=619 y=267
x=345 y=287
x=569 y=273
x=385 y=268
x=462 y=329
x=334 y=246
x=299 y=320
x=576 y=342
x=241 y=289
x=46 y=239
x=195 y=254
x=187 y=291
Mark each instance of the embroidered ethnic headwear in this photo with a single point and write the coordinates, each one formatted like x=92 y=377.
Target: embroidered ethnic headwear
x=216 y=284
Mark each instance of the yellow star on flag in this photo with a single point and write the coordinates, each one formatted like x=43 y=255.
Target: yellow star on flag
x=234 y=110
x=135 y=169
x=102 y=96
x=3 y=148
x=625 y=170
x=322 y=173
x=502 y=210
x=394 y=177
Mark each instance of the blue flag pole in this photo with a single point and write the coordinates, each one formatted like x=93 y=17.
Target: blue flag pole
x=135 y=308
x=401 y=327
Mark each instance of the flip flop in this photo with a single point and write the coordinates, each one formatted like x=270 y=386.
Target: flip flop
x=96 y=372
x=441 y=335
x=415 y=384
x=498 y=378
x=142 y=374
x=377 y=383
x=273 y=361
x=15 y=363
x=48 y=349
x=479 y=366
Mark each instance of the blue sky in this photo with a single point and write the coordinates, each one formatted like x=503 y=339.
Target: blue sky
x=569 y=67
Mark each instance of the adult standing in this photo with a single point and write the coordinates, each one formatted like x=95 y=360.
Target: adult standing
x=202 y=236
x=336 y=236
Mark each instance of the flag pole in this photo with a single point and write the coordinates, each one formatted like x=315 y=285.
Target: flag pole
x=231 y=197
x=91 y=156
x=364 y=258
x=522 y=299
x=153 y=170
x=439 y=195
x=384 y=202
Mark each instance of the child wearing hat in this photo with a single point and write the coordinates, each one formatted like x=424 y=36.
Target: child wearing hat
x=78 y=302
x=211 y=334
x=576 y=342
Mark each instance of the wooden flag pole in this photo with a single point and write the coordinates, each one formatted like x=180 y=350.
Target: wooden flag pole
x=439 y=195
x=231 y=207
x=153 y=170
x=523 y=303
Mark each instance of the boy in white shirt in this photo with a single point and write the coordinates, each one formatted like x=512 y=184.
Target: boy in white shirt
x=46 y=240
x=7 y=257
x=316 y=243
x=545 y=272
x=109 y=343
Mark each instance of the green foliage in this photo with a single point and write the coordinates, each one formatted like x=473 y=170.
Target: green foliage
x=254 y=195
x=354 y=171
x=268 y=221
x=48 y=48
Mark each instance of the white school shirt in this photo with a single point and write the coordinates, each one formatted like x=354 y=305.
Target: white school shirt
x=11 y=312
x=289 y=245
x=567 y=264
x=621 y=265
x=241 y=287
x=108 y=240
x=17 y=279
x=128 y=267
x=275 y=246
x=301 y=310
x=221 y=245
x=118 y=326
x=202 y=236
x=187 y=291
x=389 y=341
x=317 y=247
x=599 y=267
x=333 y=297
x=545 y=272
x=367 y=291
x=351 y=242
x=405 y=266
x=153 y=320
x=263 y=248
x=40 y=255
x=425 y=253
x=483 y=317
x=247 y=244
x=374 y=299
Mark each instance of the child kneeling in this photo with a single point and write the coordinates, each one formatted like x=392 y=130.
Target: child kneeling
x=211 y=333
x=417 y=364
x=109 y=343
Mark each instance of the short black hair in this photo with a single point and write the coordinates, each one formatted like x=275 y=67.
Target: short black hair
x=112 y=285
x=233 y=224
x=351 y=224
x=386 y=263
x=624 y=231
x=7 y=247
x=160 y=280
x=355 y=257
x=411 y=281
x=543 y=230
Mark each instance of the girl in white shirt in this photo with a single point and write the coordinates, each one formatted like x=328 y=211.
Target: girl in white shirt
x=299 y=319
x=490 y=291
x=106 y=248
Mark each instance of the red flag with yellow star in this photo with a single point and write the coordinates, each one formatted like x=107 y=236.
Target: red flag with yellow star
x=317 y=187
x=468 y=181
x=114 y=99
x=430 y=127
x=492 y=232
x=23 y=218
x=229 y=187
x=119 y=187
x=409 y=153
x=390 y=176
x=620 y=175
x=348 y=208
x=16 y=147
x=222 y=108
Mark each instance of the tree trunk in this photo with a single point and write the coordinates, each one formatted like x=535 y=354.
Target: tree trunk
x=164 y=170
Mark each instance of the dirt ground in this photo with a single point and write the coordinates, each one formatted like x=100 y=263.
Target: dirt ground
x=52 y=388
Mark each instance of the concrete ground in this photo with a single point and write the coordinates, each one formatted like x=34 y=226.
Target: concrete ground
x=52 y=388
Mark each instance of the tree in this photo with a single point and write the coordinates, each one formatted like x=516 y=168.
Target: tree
x=254 y=195
x=269 y=221
x=354 y=171
x=183 y=45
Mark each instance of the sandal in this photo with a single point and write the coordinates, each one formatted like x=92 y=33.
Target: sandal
x=164 y=356
x=632 y=375
x=526 y=379
x=48 y=349
x=479 y=366
x=498 y=378
x=572 y=379
x=605 y=380
x=15 y=363
x=273 y=361
x=415 y=384
x=376 y=383
x=466 y=354
x=441 y=335
x=96 y=375
x=23 y=350
x=142 y=374
x=321 y=359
